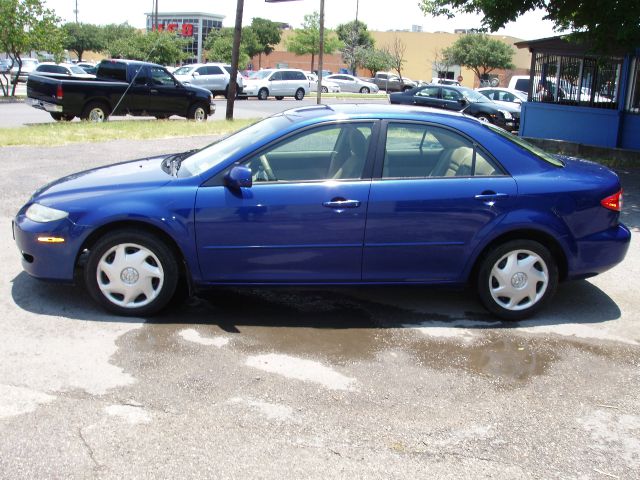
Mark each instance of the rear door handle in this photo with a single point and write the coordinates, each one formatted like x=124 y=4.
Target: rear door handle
x=491 y=196
x=342 y=204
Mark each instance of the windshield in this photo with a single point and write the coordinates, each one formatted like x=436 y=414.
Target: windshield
x=221 y=150
x=262 y=74
x=529 y=147
x=473 y=97
x=182 y=71
x=79 y=70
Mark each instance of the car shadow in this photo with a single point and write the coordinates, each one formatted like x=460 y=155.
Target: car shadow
x=322 y=308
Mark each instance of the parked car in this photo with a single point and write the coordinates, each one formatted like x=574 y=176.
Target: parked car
x=444 y=81
x=390 y=82
x=5 y=65
x=461 y=99
x=212 y=76
x=503 y=96
x=88 y=67
x=28 y=65
x=61 y=70
x=349 y=83
x=121 y=87
x=327 y=85
x=280 y=83
x=340 y=194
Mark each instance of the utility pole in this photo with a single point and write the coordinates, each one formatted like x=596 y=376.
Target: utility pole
x=235 y=54
x=320 y=54
x=76 y=11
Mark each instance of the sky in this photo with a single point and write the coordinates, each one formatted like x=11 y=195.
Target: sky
x=377 y=14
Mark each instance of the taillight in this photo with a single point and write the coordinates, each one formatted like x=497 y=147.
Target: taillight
x=59 y=93
x=613 y=202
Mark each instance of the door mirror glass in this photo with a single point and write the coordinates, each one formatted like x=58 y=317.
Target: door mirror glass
x=238 y=177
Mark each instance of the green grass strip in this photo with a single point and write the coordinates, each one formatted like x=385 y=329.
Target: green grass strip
x=49 y=134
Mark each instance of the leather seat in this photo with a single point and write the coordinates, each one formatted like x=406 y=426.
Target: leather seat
x=350 y=162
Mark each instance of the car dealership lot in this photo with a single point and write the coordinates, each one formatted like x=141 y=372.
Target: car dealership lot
x=312 y=383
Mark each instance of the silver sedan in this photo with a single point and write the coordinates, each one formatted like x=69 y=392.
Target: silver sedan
x=349 y=83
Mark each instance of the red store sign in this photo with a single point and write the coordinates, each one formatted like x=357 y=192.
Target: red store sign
x=186 y=29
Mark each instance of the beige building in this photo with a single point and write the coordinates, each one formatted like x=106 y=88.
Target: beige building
x=420 y=53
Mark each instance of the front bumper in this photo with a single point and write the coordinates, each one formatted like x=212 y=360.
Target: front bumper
x=48 y=261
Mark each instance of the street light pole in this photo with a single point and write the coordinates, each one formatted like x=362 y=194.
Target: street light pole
x=320 y=54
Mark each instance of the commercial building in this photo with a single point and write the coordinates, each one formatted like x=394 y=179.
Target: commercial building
x=193 y=25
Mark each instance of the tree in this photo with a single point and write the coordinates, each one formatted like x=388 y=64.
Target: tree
x=80 y=37
x=376 y=60
x=164 y=48
x=606 y=26
x=219 y=46
x=396 y=52
x=25 y=26
x=481 y=53
x=268 y=35
x=442 y=61
x=114 y=32
x=356 y=40
x=306 y=41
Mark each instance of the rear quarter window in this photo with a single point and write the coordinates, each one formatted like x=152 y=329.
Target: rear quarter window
x=113 y=71
x=522 y=84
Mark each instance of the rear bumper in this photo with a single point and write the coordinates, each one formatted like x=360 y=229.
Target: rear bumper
x=46 y=106
x=600 y=252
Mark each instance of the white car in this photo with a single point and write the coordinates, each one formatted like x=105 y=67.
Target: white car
x=280 y=83
x=327 y=85
x=61 y=70
x=28 y=66
x=212 y=76
x=505 y=96
x=349 y=83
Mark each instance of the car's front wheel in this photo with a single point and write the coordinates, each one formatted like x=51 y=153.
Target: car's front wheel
x=130 y=272
x=263 y=94
x=197 y=112
x=364 y=90
x=517 y=278
x=299 y=94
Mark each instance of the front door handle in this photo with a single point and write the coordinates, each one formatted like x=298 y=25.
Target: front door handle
x=487 y=196
x=342 y=203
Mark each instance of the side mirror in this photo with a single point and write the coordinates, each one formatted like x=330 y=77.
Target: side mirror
x=238 y=177
x=195 y=74
x=517 y=100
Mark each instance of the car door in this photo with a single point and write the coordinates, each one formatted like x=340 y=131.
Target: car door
x=428 y=97
x=303 y=218
x=165 y=96
x=199 y=77
x=451 y=99
x=277 y=84
x=436 y=195
x=216 y=79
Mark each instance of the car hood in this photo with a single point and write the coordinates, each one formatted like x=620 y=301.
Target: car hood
x=132 y=175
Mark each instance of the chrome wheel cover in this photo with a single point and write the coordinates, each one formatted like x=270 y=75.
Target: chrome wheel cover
x=518 y=280
x=130 y=275
x=96 y=114
x=199 y=115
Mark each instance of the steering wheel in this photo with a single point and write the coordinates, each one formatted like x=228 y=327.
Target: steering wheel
x=264 y=162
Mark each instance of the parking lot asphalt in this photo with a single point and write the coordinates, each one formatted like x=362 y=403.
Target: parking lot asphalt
x=316 y=382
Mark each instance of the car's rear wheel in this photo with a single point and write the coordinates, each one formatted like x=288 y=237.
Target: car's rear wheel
x=130 y=272
x=517 y=278
x=484 y=118
x=364 y=90
x=263 y=94
x=96 y=112
x=197 y=112
x=299 y=94
x=61 y=117
x=279 y=97
x=325 y=90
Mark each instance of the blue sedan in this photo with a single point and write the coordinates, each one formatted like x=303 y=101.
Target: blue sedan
x=352 y=194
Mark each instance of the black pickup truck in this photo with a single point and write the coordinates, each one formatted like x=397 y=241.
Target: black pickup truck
x=121 y=87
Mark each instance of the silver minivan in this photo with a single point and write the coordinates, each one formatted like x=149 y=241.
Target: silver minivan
x=212 y=76
x=280 y=83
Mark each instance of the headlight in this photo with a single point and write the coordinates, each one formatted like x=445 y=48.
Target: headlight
x=507 y=115
x=41 y=214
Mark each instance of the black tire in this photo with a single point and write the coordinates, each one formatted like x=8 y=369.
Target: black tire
x=159 y=261
x=279 y=97
x=263 y=94
x=299 y=94
x=61 y=117
x=198 y=112
x=517 y=278
x=324 y=90
x=96 y=112
x=162 y=117
x=404 y=89
x=484 y=118
x=364 y=90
